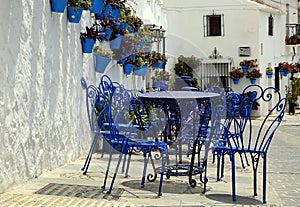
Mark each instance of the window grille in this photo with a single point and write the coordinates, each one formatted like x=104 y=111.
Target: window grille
x=214 y=73
x=213 y=25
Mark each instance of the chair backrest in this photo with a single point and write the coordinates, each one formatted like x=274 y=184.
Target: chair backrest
x=95 y=105
x=255 y=134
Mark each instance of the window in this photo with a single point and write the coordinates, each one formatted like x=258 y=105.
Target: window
x=270 y=25
x=213 y=25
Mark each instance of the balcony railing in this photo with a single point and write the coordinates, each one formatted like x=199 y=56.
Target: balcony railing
x=292 y=34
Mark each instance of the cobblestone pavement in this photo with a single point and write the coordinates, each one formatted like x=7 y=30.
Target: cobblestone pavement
x=284 y=164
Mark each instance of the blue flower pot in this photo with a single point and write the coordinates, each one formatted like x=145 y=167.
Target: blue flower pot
x=122 y=26
x=74 y=15
x=97 y=6
x=253 y=80
x=158 y=65
x=281 y=72
x=111 y=13
x=58 y=5
x=106 y=34
x=87 y=44
x=116 y=43
x=101 y=63
x=245 y=69
x=235 y=80
x=122 y=61
x=140 y=70
x=269 y=74
x=127 y=68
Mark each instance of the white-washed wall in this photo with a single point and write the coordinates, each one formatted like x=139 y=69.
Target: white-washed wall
x=42 y=114
x=43 y=122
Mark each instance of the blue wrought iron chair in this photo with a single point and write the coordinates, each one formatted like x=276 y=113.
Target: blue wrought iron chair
x=125 y=138
x=95 y=102
x=245 y=136
x=239 y=105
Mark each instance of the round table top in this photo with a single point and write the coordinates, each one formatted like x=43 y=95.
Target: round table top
x=178 y=95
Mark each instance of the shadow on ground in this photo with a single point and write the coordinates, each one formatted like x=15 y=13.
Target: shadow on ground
x=169 y=186
x=226 y=198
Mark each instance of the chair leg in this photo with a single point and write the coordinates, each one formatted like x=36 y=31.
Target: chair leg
x=265 y=178
x=124 y=163
x=233 y=176
x=89 y=157
x=222 y=164
x=116 y=170
x=205 y=180
x=146 y=159
x=163 y=163
x=128 y=163
x=108 y=166
x=218 y=165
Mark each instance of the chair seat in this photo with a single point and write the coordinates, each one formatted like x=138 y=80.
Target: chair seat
x=239 y=149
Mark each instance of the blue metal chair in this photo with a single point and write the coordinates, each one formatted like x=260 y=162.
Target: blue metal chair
x=246 y=136
x=124 y=123
x=95 y=102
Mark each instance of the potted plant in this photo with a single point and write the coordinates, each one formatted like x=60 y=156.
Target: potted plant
x=284 y=68
x=58 y=5
x=97 y=6
x=236 y=74
x=142 y=62
x=183 y=70
x=292 y=91
x=253 y=75
x=103 y=56
x=160 y=80
x=292 y=40
x=75 y=8
x=269 y=71
x=158 y=60
x=246 y=64
x=295 y=68
x=88 y=39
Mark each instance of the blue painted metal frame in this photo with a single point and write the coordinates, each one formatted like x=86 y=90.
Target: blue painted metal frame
x=120 y=131
x=243 y=137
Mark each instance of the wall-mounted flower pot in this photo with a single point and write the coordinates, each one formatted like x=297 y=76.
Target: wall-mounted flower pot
x=87 y=44
x=58 y=5
x=140 y=70
x=115 y=44
x=106 y=34
x=111 y=13
x=252 y=80
x=74 y=14
x=235 y=80
x=127 y=68
x=245 y=68
x=97 y=6
x=269 y=74
x=101 y=63
x=122 y=26
x=158 y=65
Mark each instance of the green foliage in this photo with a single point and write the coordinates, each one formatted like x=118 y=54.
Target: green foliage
x=185 y=66
x=103 y=51
x=86 y=4
x=236 y=73
x=191 y=61
x=292 y=90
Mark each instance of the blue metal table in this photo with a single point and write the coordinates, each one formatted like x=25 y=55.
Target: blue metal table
x=176 y=104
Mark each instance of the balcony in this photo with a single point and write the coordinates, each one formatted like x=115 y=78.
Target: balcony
x=292 y=34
